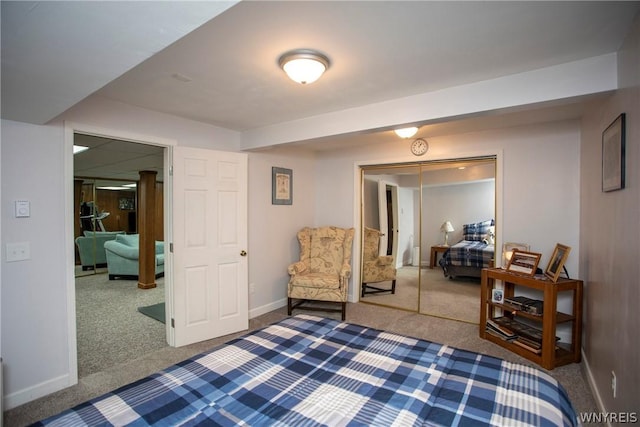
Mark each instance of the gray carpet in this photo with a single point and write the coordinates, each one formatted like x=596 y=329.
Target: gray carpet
x=454 y=333
x=438 y=296
x=110 y=329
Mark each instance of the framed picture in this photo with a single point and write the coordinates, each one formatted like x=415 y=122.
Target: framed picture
x=613 y=155
x=509 y=247
x=281 y=186
x=556 y=263
x=523 y=262
x=497 y=295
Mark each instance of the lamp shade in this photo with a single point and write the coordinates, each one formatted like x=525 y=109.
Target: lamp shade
x=304 y=66
x=447 y=227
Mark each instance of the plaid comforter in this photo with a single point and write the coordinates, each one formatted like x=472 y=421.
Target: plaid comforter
x=309 y=371
x=469 y=254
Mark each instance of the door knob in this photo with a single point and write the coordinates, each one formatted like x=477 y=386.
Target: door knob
x=243 y=253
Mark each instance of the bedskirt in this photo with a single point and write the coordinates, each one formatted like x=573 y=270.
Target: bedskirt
x=308 y=370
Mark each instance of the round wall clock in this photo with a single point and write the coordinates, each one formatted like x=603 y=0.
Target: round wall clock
x=419 y=147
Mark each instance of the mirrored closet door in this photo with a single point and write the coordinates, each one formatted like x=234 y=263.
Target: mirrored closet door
x=418 y=213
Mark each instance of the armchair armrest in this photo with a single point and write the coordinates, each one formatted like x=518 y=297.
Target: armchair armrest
x=346 y=270
x=297 y=267
x=121 y=250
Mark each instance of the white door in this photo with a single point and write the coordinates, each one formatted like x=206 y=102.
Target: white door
x=210 y=266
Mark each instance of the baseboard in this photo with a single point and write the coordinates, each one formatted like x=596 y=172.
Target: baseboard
x=259 y=311
x=37 y=391
x=592 y=385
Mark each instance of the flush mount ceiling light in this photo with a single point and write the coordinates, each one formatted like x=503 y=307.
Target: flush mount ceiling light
x=406 y=132
x=304 y=66
x=79 y=149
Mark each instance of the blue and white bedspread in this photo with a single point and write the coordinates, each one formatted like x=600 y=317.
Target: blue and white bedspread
x=469 y=253
x=308 y=370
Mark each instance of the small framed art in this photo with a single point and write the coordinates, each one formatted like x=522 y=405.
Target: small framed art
x=281 y=186
x=497 y=296
x=523 y=262
x=509 y=247
x=613 y=155
x=556 y=263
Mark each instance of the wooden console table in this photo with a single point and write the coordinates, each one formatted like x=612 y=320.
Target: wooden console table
x=552 y=353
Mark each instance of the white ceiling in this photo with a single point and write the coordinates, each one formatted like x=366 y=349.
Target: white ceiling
x=379 y=51
x=54 y=54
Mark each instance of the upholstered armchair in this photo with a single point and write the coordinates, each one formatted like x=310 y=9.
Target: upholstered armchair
x=323 y=272
x=376 y=268
x=123 y=257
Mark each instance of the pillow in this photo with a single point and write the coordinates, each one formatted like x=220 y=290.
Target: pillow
x=476 y=231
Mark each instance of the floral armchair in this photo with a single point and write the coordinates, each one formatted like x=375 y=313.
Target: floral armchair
x=376 y=268
x=323 y=272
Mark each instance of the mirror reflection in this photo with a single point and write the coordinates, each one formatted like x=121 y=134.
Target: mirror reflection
x=104 y=208
x=436 y=221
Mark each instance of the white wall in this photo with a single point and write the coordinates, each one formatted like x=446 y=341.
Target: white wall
x=610 y=244
x=35 y=327
x=461 y=204
x=273 y=244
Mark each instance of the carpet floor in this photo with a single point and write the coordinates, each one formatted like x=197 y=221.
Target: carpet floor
x=438 y=295
x=110 y=329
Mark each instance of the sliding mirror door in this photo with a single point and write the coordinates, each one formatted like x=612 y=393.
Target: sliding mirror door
x=455 y=194
x=413 y=216
x=391 y=228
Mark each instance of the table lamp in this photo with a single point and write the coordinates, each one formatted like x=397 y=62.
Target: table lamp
x=447 y=228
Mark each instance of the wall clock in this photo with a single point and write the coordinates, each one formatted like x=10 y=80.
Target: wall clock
x=419 y=147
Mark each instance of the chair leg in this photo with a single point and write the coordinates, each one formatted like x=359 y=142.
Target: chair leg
x=393 y=286
x=289 y=306
x=344 y=311
x=364 y=289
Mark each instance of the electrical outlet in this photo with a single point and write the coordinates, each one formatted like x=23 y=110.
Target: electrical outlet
x=614 y=383
x=252 y=288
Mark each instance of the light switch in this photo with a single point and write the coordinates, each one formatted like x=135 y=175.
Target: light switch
x=18 y=251
x=23 y=209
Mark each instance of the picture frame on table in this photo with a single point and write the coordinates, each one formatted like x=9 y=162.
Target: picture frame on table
x=524 y=262
x=497 y=296
x=613 y=155
x=281 y=186
x=509 y=247
x=556 y=262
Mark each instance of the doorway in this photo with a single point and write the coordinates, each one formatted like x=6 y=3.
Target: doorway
x=109 y=327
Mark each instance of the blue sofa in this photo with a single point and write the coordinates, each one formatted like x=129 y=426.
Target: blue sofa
x=123 y=254
x=91 y=248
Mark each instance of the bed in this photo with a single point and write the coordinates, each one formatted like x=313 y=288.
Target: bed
x=473 y=253
x=308 y=370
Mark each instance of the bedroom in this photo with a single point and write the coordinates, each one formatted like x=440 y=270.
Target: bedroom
x=557 y=158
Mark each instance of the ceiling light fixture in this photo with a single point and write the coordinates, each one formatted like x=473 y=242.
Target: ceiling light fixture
x=79 y=149
x=406 y=132
x=304 y=66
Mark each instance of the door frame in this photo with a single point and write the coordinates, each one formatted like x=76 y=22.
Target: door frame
x=70 y=129
x=354 y=293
